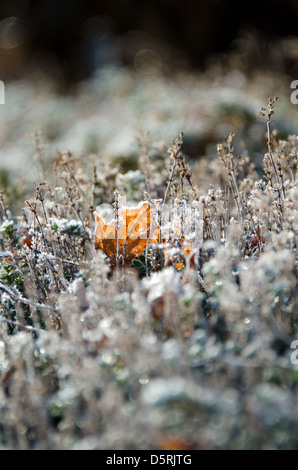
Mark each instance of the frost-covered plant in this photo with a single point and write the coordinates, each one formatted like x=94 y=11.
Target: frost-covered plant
x=183 y=344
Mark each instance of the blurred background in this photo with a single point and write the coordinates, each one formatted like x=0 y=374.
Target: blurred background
x=88 y=76
x=70 y=39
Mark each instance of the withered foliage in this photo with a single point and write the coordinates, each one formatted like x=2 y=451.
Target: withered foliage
x=169 y=326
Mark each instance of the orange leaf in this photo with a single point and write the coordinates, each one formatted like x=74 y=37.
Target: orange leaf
x=175 y=443
x=131 y=234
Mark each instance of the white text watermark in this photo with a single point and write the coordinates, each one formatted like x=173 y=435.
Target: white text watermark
x=294 y=94
x=150 y=220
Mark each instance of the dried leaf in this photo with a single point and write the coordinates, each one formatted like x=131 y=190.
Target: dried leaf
x=135 y=226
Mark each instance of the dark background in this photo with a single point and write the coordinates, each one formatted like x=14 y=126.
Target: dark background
x=69 y=39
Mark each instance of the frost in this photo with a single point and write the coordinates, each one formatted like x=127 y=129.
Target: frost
x=167 y=282
x=184 y=342
x=6 y=225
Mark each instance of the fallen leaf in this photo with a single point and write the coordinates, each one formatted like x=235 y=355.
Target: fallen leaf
x=130 y=235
